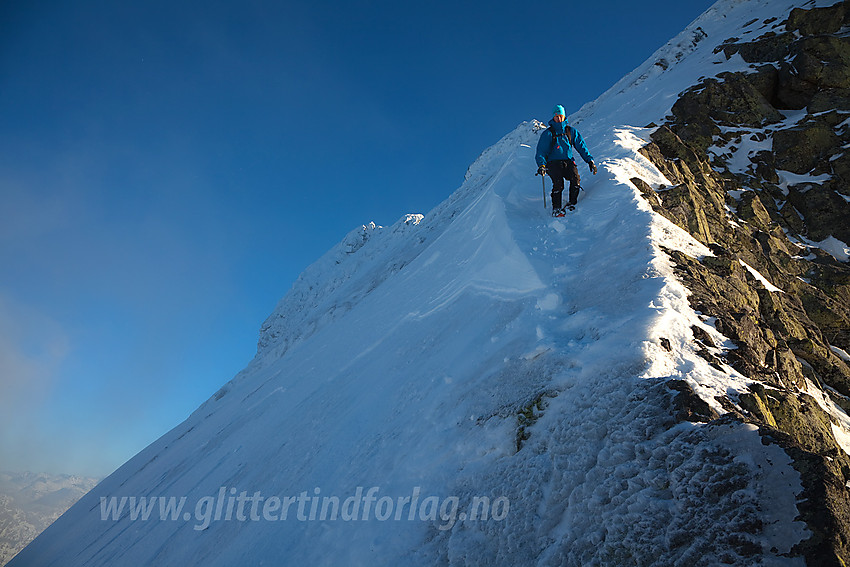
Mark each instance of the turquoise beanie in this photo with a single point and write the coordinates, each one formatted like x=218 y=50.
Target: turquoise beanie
x=558 y=110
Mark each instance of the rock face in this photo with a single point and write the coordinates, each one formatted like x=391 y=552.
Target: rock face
x=760 y=174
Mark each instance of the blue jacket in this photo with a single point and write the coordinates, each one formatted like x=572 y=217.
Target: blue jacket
x=560 y=148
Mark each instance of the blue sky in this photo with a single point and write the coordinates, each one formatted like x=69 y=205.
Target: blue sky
x=167 y=169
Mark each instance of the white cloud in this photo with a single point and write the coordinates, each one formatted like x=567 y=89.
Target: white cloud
x=32 y=347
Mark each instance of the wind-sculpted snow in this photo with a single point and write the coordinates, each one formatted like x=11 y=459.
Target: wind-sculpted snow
x=485 y=350
x=403 y=360
x=336 y=282
x=368 y=255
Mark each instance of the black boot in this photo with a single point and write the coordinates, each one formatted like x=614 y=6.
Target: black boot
x=557 y=209
x=574 y=190
x=556 y=200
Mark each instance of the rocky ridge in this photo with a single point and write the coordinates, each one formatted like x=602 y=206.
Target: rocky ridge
x=759 y=173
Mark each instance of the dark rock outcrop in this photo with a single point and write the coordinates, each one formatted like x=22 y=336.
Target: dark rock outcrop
x=767 y=219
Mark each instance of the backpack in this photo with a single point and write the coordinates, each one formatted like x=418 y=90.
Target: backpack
x=568 y=135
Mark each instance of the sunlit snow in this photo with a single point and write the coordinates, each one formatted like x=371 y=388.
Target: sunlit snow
x=481 y=350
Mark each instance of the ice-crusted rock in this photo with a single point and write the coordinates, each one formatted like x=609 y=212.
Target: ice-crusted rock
x=757 y=185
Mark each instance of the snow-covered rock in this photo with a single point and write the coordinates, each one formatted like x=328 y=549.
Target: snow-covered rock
x=481 y=385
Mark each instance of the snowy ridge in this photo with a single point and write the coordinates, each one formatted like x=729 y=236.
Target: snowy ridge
x=483 y=349
x=368 y=255
x=311 y=301
x=648 y=93
x=419 y=382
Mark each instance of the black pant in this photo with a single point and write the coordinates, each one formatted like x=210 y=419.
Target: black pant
x=559 y=170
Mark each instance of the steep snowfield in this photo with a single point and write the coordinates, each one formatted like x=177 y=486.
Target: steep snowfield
x=483 y=350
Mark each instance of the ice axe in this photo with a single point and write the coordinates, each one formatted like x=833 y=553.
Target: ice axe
x=543 y=180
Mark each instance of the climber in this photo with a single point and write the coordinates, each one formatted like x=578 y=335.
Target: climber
x=555 y=157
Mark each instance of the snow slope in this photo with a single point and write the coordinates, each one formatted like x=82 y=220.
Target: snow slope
x=483 y=350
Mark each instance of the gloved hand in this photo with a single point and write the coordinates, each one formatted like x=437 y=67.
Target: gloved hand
x=541 y=170
x=593 y=168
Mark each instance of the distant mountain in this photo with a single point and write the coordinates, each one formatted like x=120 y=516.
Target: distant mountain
x=659 y=378
x=29 y=502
